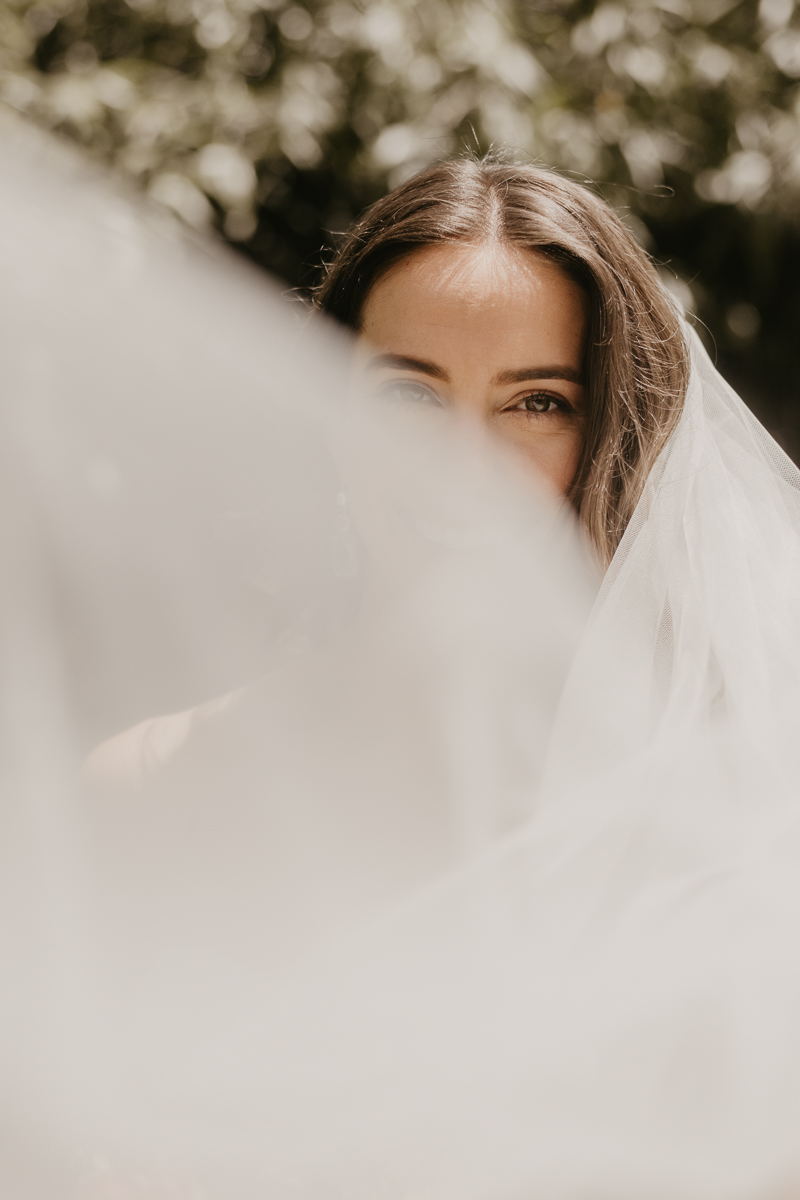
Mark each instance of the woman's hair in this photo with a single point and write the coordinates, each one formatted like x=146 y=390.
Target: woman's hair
x=636 y=360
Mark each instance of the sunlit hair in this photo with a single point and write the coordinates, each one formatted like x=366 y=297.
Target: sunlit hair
x=636 y=363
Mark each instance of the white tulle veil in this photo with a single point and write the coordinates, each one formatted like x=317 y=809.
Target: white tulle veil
x=460 y=872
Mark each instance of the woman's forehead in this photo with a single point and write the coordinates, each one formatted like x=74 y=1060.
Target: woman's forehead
x=503 y=292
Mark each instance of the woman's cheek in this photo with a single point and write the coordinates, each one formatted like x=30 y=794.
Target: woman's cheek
x=555 y=454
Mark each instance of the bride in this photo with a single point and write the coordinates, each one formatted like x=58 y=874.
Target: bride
x=517 y=299
x=488 y=885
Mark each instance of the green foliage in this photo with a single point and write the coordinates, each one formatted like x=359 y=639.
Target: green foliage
x=277 y=121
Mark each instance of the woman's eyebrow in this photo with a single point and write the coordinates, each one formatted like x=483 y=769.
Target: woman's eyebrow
x=401 y=362
x=525 y=373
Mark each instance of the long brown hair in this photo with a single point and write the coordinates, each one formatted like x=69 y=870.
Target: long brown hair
x=636 y=362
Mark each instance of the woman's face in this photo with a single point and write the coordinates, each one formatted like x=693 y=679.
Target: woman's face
x=494 y=332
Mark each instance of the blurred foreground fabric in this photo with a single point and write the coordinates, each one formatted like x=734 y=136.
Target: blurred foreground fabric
x=464 y=873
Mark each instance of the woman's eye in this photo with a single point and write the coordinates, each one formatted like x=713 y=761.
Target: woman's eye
x=409 y=392
x=540 y=402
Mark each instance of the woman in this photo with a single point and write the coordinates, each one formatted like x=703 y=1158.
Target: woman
x=570 y=909
x=477 y=279
x=519 y=299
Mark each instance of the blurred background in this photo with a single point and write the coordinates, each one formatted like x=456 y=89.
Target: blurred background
x=276 y=121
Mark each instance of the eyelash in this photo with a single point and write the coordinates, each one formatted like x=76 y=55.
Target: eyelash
x=396 y=387
x=426 y=395
x=560 y=404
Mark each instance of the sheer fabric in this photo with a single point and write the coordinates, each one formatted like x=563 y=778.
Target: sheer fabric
x=434 y=866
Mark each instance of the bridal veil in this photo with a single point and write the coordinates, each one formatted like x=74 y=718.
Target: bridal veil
x=455 y=872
